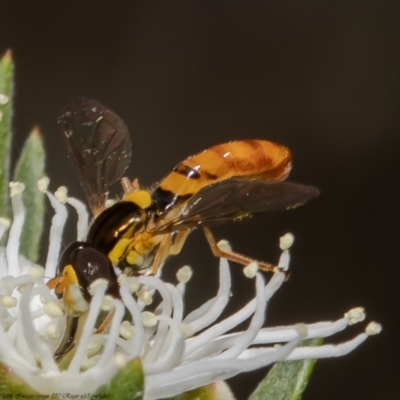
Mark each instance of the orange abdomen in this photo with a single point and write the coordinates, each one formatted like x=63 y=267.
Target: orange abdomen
x=260 y=159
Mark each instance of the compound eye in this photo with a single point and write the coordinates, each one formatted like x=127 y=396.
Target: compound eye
x=91 y=264
x=81 y=264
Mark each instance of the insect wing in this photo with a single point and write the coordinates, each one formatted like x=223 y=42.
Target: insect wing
x=236 y=199
x=98 y=143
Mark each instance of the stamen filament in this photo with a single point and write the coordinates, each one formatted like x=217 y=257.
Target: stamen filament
x=83 y=217
x=246 y=338
x=113 y=334
x=328 y=350
x=175 y=357
x=131 y=305
x=235 y=319
x=213 y=310
x=30 y=334
x=174 y=352
x=12 y=248
x=95 y=306
x=56 y=233
x=166 y=311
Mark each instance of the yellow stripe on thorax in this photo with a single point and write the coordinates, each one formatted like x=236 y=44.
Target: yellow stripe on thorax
x=142 y=198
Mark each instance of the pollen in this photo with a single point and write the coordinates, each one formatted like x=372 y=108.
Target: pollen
x=8 y=301
x=133 y=285
x=373 y=328
x=108 y=303
x=61 y=194
x=145 y=296
x=126 y=330
x=16 y=188
x=95 y=284
x=149 y=319
x=250 y=270
x=36 y=273
x=53 y=310
x=93 y=346
x=43 y=184
x=355 y=315
x=120 y=360
x=302 y=330
x=286 y=241
x=51 y=331
x=184 y=274
x=132 y=282
x=186 y=330
x=224 y=245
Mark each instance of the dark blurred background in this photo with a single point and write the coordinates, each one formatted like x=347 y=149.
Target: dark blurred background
x=322 y=78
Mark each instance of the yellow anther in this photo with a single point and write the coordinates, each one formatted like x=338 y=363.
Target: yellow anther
x=93 y=346
x=51 y=331
x=184 y=274
x=145 y=297
x=53 y=310
x=126 y=330
x=186 y=330
x=251 y=270
x=149 y=319
x=120 y=360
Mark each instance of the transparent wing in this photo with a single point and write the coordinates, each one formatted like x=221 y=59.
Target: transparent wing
x=98 y=143
x=235 y=199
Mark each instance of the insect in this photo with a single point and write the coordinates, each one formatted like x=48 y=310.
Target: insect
x=230 y=181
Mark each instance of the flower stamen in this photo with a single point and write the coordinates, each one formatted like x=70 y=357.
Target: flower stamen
x=56 y=232
x=95 y=305
x=12 y=249
x=35 y=327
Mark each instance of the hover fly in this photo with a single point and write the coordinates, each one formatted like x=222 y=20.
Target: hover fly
x=230 y=181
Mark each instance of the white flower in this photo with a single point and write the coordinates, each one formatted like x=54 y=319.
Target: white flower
x=178 y=352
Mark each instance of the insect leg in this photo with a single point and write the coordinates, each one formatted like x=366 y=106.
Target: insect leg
x=106 y=323
x=73 y=331
x=68 y=340
x=179 y=241
x=167 y=248
x=231 y=255
x=162 y=253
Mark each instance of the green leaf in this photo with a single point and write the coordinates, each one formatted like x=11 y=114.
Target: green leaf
x=6 y=91
x=11 y=386
x=287 y=379
x=203 y=393
x=30 y=168
x=127 y=384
